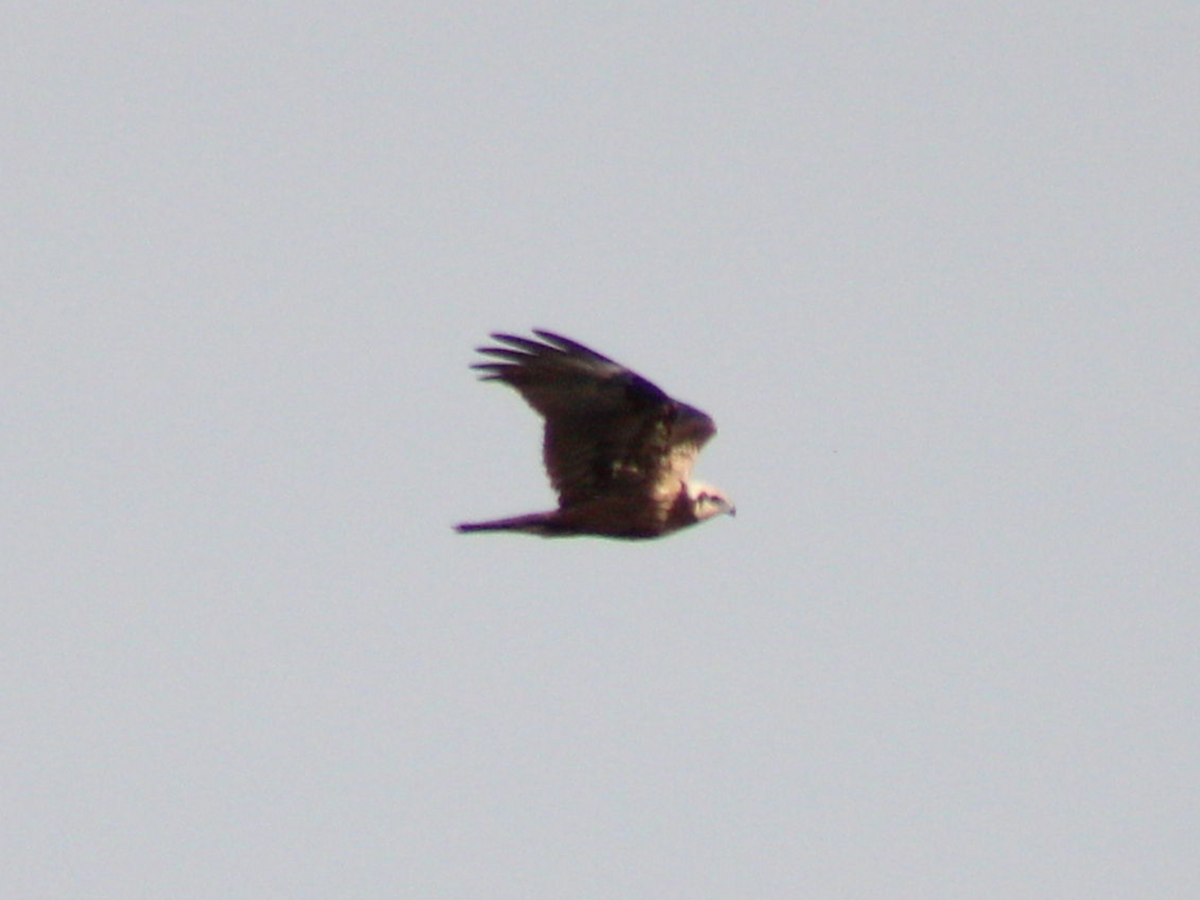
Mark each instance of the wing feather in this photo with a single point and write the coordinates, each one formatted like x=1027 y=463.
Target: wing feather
x=609 y=431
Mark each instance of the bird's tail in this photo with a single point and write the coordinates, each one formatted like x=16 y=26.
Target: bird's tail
x=532 y=523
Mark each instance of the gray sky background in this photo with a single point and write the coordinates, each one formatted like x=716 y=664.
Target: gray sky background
x=932 y=267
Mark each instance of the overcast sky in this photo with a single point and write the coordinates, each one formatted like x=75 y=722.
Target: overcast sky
x=933 y=269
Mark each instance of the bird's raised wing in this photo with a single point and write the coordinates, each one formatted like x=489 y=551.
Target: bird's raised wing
x=608 y=429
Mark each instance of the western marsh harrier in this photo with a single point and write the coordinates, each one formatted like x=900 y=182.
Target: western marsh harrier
x=618 y=450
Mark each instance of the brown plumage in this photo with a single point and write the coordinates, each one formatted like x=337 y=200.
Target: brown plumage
x=618 y=450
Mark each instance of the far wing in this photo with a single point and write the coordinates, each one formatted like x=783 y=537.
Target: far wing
x=608 y=430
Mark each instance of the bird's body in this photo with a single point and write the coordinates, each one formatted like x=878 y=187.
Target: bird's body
x=618 y=450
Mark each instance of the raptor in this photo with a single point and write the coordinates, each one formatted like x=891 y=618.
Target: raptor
x=619 y=451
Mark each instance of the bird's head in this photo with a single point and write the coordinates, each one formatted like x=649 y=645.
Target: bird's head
x=708 y=501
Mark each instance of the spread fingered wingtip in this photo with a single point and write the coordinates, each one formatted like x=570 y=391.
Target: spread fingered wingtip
x=523 y=343
x=565 y=344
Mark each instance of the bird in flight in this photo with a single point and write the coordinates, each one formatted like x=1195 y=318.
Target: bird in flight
x=618 y=450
